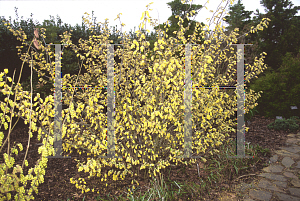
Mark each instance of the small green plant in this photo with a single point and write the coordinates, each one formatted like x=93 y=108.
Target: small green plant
x=296 y=118
x=284 y=124
x=262 y=150
x=250 y=114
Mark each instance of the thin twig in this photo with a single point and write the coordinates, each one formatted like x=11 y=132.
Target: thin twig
x=244 y=176
x=29 y=115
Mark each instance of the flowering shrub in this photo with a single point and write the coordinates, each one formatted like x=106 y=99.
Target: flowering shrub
x=143 y=135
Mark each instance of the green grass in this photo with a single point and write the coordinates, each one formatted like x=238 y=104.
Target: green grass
x=172 y=190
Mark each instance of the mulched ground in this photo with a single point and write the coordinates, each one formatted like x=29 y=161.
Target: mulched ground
x=57 y=186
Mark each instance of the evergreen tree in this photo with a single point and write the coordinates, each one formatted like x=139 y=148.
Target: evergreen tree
x=281 y=35
x=238 y=18
x=181 y=9
x=279 y=39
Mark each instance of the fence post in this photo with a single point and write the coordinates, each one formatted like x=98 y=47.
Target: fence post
x=110 y=103
x=188 y=105
x=240 y=103
x=57 y=144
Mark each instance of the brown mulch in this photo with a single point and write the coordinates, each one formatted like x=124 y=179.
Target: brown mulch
x=57 y=184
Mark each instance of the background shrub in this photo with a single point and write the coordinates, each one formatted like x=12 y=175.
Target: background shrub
x=280 y=89
x=284 y=124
